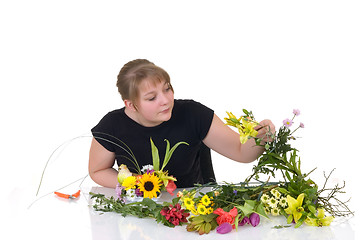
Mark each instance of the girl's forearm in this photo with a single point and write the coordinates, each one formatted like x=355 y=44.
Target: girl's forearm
x=250 y=151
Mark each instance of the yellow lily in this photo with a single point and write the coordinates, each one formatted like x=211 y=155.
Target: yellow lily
x=246 y=130
x=164 y=177
x=320 y=219
x=295 y=208
x=232 y=120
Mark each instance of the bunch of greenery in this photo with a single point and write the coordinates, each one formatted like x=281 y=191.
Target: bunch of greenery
x=305 y=199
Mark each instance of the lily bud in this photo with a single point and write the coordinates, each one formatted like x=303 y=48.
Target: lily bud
x=123 y=173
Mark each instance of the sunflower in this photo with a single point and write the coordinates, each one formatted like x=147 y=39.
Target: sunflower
x=149 y=185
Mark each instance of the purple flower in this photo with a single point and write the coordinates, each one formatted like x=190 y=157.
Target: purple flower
x=302 y=125
x=254 y=219
x=287 y=122
x=224 y=228
x=296 y=112
x=244 y=221
x=138 y=193
x=119 y=191
x=150 y=171
x=235 y=192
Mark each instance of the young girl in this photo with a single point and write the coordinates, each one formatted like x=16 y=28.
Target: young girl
x=152 y=112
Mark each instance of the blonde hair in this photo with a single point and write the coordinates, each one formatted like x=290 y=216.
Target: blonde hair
x=134 y=72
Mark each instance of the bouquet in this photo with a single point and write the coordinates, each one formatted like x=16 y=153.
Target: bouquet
x=149 y=181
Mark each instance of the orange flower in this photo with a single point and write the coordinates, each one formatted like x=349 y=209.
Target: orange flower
x=228 y=217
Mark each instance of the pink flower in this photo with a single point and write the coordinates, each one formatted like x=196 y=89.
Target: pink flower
x=302 y=125
x=171 y=187
x=296 y=112
x=254 y=219
x=244 y=221
x=287 y=122
x=226 y=216
x=224 y=228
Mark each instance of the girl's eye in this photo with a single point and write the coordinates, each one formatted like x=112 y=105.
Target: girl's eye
x=151 y=99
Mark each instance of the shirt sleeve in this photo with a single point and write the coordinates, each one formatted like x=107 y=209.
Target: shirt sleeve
x=103 y=132
x=201 y=118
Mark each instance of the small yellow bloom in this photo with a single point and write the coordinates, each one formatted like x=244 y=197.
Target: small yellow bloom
x=295 y=207
x=320 y=219
x=205 y=200
x=210 y=210
x=188 y=202
x=275 y=211
x=129 y=182
x=201 y=209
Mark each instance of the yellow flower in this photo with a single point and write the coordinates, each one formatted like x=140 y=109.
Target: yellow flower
x=129 y=182
x=210 y=210
x=201 y=209
x=247 y=130
x=149 y=185
x=188 y=202
x=320 y=219
x=205 y=200
x=164 y=178
x=295 y=208
x=232 y=120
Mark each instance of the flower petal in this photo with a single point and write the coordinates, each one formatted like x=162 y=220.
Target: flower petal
x=224 y=228
x=254 y=219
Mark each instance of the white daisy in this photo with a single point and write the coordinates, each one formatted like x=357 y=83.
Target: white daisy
x=146 y=168
x=272 y=202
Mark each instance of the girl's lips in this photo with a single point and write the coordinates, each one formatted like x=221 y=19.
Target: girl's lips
x=165 y=110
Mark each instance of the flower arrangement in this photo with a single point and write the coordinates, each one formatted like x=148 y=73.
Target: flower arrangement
x=229 y=206
x=149 y=181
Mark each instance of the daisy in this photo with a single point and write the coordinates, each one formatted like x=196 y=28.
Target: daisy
x=188 y=202
x=205 y=200
x=265 y=198
x=276 y=193
x=149 y=185
x=283 y=202
x=201 y=209
x=273 y=202
x=275 y=211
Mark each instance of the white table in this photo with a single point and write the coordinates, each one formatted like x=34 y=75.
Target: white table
x=54 y=218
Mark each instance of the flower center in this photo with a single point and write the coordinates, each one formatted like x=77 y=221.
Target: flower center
x=299 y=209
x=148 y=186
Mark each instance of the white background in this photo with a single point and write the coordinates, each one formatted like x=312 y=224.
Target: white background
x=59 y=61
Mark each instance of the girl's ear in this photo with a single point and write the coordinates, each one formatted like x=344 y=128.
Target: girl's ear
x=130 y=105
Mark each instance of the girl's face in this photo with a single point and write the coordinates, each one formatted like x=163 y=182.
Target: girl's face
x=155 y=103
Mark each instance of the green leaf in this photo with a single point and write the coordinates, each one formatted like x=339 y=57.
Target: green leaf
x=260 y=210
x=175 y=200
x=300 y=221
x=248 y=207
x=149 y=203
x=155 y=155
x=168 y=153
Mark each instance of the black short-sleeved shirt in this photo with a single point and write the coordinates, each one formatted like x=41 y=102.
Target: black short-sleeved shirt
x=189 y=123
